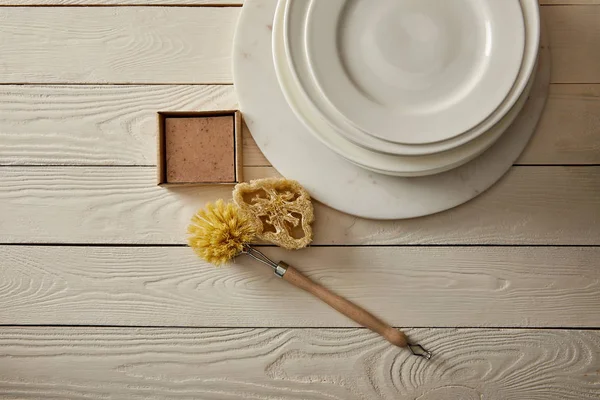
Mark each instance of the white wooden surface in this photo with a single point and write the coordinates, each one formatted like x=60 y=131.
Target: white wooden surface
x=408 y=286
x=117 y=44
x=115 y=124
x=531 y=205
x=193 y=44
x=319 y=364
x=100 y=299
x=199 y=2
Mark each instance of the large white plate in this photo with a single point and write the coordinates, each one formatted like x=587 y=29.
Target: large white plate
x=296 y=154
x=296 y=12
x=415 y=72
x=406 y=166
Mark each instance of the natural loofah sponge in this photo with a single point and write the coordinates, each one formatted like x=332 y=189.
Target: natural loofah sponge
x=281 y=209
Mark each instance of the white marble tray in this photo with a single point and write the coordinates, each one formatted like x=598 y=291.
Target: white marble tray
x=296 y=154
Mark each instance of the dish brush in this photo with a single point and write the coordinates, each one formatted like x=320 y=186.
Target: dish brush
x=221 y=232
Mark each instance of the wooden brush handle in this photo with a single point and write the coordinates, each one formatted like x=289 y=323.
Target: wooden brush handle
x=349 y=309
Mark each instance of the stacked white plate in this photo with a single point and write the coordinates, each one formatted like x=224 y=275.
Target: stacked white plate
x=406 y=89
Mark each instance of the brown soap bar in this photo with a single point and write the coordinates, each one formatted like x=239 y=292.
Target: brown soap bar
x=200 y=149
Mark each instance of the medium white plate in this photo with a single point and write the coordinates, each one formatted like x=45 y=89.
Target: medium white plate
x=415 y=72
x=296 y=154
x=295 y=51
x=406 y=166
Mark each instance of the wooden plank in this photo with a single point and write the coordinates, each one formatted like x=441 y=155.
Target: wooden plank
x=116 y=125
x=193 y=44
x=99 y=125
x=296 y=364
x=117 y=44
x=203 y=2
x=574 y=34
x=568 y=2
x=531 y=205
x=569 y=128
x=120 y=2
x=432 y=286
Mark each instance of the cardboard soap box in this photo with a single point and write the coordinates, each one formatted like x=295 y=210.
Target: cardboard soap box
x=199 y=148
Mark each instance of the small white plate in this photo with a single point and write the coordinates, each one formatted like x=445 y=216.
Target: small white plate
x=330 y=179
x=293 y=86
x=415 y=72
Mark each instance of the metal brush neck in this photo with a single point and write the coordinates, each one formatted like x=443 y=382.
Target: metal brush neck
x=258 y=256
x=279 y=268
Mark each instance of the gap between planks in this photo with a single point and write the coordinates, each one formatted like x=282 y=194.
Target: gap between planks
x=263 y=245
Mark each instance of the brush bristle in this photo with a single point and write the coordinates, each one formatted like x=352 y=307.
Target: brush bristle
x=219 y=232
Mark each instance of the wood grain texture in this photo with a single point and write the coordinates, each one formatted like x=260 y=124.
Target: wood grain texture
x=200 y=2
x=350 y=364
x=193 y=44
x=99 y=125
x=90 y=127
x=116 y=125
x=530 y=205
x=218 y=3
x=406 y=286
x=116 y=44
x=569 y=129
x=204 y=2
x=574 y=33
x=568 y=2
